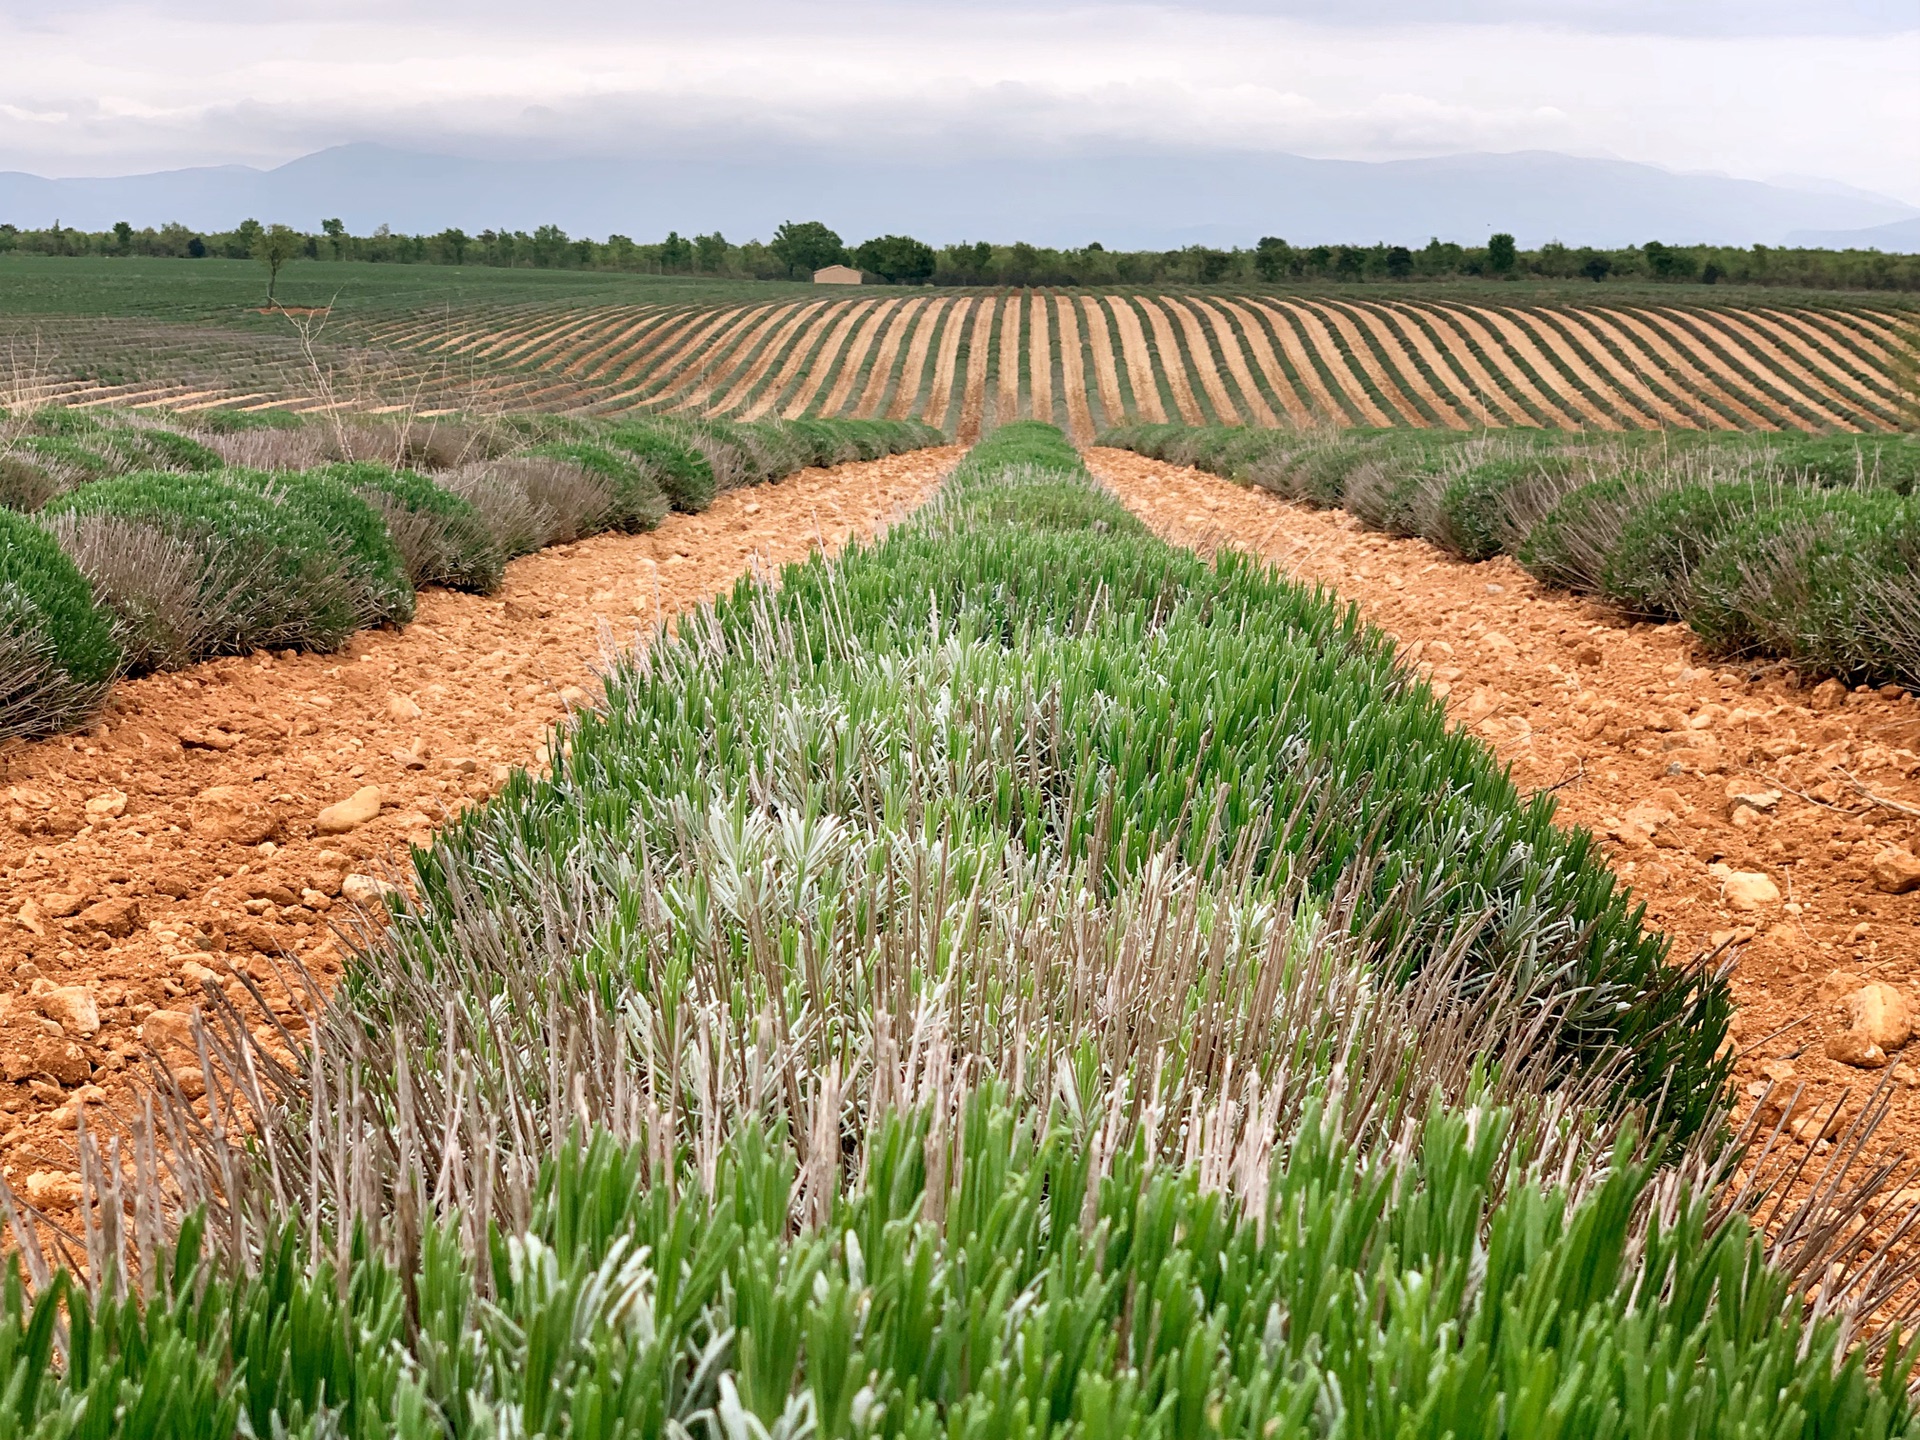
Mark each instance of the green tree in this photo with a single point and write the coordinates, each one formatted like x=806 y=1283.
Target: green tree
x=1501 y=254
x=122 y=238
x=336 y=233
x=1272 y=259
x=1210 y=265
x=1399 y=262
x=549 y=246
x=898 y=259
x=239 y=245
x=273 y=247
x=454 y=242
x=710 y=252
x=806 y=246
x=1597 y=266
x=676 y=252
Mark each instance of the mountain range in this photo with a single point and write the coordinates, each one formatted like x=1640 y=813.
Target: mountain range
x=1140 y=201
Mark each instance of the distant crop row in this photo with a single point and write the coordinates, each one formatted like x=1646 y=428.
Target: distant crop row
x=127 y=546
x=1801 y=547
x=1086 y=361
x=1015 y=979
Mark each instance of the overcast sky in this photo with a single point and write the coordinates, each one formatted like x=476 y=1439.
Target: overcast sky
x=1764 y=89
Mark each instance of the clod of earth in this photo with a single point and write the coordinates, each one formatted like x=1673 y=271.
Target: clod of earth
x=234 y=813
x=1895 y=871
x=1880 y=1014
x=1850 y=1047
x=71 y=1007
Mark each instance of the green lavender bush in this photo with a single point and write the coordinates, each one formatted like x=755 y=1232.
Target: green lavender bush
x=57 y=652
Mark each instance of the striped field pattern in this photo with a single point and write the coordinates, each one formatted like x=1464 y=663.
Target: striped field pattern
x=969 y=361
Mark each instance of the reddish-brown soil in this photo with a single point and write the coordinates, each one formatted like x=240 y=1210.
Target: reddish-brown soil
x=176 y=841
x=1645 y=739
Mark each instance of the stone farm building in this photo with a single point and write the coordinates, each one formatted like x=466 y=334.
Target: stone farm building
x=837 y=275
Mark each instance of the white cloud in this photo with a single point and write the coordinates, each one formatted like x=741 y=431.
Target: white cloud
x=101 y=88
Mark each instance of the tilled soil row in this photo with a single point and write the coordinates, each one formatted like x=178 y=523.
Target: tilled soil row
x=217 y=818
x=1744 y=810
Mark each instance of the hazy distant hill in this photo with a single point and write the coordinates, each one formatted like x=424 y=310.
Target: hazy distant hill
x=1900 y=237
x=1141 y=201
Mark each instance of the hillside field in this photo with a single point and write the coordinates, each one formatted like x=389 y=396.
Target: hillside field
x=162 y=334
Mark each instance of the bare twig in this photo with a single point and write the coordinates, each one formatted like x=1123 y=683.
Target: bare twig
x=1898 y=807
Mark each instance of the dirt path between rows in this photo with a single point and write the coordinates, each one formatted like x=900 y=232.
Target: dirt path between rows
x=179 y=839
x=1649 y=741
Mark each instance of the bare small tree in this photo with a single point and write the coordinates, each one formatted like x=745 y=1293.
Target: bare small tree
x=273 y=248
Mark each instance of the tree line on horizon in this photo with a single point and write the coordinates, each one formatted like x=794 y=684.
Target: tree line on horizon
x=799 y=248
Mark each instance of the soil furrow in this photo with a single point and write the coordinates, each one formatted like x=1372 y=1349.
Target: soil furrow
x=1732 y=346
x=738 y=358
x=1443 y=379
x=1837 y=360
x=1579 y=388
x=741 y=390
x=853 y=360
x=1385 y=364
x=1233 y=353
x=1006 y=401
x=1201 y=361
x=1806 y=368
x=973 y=399
x=1106 y=374
x=1133 y=347
x=1303 y=409
x=1685 y=362
x=1073 y=372
x=1039 y=356
x=177 y=842
x=940 y=389
x=1583 y=330
x=880 y=376
x=1646 y=741
x=1341 y=365
x=819 y=365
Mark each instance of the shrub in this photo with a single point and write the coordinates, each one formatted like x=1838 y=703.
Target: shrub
x=275 y=579
x=530 y=502
x=818 y=441
x=441 y=537
x=1570 y=546
x=70 y=461
x=783 y=447
x=1650 y=568
x=683 y=470
x=1476 y=513
x=25 y=484
x=240 y=422
x=148 y=447
x=1864 y=462
x=728 y=457
x=638 y=502
x=274 y=448
x=1800 y=579
x=1394 y=492
x=57 y=654
x=383 y=588
x=161 y=588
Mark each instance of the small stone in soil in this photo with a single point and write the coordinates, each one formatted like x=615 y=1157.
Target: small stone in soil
x=1746 y=890
x=349 y=814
